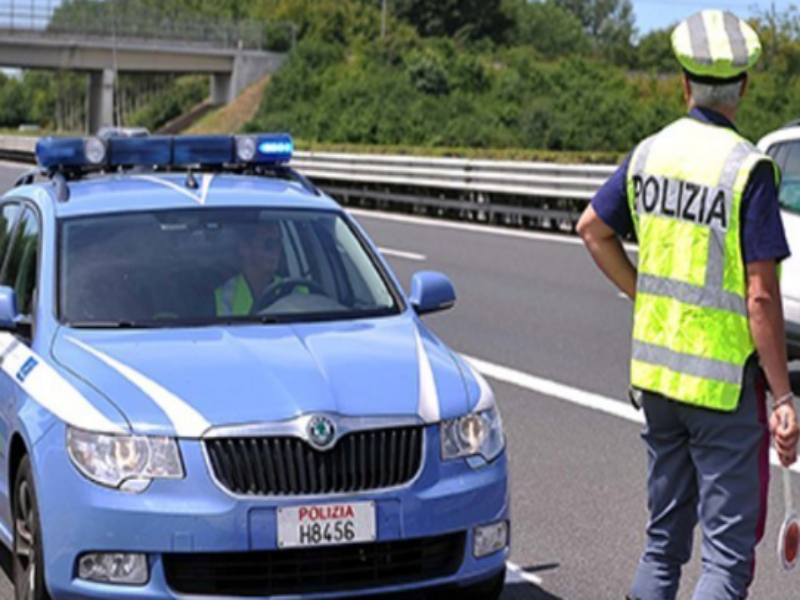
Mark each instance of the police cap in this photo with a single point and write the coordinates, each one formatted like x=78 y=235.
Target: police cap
x=716 y=46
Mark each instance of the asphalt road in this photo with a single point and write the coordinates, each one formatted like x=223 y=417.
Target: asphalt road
x=537 y=305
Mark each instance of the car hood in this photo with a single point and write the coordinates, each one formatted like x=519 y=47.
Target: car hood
x=186 y=382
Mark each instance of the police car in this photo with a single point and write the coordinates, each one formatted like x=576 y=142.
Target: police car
x=212 y=385
x=784 y=146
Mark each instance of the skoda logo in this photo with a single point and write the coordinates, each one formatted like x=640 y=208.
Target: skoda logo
x=321 y=431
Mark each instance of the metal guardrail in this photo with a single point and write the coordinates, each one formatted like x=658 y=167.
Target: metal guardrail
x=509 y=192
x=17 y=148
x=528 y=194
x=95 y=19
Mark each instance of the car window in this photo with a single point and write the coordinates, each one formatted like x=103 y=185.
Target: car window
x=21 y=270
x=8 y=219
x=778 y=152
x=787 y=155
x=173 y=268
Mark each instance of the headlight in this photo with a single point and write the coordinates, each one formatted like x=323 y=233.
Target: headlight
x=477 y=433
x=111 y=460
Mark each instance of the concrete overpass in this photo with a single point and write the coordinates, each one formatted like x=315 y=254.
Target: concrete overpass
x=229 y=52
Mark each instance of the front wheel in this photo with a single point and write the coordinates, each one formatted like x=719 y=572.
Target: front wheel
x=28 y=564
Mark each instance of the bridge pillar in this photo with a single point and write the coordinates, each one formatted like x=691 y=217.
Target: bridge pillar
x=248 y=67
x=221 y=88
x=101 y=99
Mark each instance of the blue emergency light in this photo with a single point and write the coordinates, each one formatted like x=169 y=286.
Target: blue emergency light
x=87 y=154
x=203 y=150
x=140 y=151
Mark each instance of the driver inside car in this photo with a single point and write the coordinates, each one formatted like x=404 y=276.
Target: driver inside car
x=260 y=253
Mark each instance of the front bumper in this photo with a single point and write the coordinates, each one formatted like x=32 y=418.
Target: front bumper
x=195 y=515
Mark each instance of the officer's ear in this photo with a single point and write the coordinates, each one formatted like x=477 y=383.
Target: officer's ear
x=743 y=88
x=687 y=90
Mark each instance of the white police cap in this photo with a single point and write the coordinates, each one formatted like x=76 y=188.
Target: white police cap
x=716 y=45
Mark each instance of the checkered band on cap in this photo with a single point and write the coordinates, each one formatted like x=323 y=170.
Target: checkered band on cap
x=716 y=44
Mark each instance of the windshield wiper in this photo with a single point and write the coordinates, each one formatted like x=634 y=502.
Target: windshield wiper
x=250 y=320
x=108 y=325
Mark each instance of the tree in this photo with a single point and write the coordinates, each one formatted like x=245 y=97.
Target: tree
x=654 y=52
x=470 y=19
x=609 y=22
x=547 y=27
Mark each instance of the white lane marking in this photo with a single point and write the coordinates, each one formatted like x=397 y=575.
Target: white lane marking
x=573 y=395
x=487 y=229
x=403 y=254
x=517 y=572
x=47 y=387
x=186 y=421
x=428 y=407
x=557 y=390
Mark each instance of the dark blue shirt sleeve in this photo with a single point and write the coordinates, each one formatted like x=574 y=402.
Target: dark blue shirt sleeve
x=763 y=237
x=611 y=201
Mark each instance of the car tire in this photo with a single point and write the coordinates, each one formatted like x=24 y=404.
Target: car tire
x=27 y=556
x=491 y=589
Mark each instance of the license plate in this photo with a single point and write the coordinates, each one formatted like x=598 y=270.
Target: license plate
x=326 y=524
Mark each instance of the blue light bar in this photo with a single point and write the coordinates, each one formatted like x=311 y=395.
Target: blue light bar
x=269 y=148
x=203 y=150
x=140 y=151
x=87 y=154
x=54 y=153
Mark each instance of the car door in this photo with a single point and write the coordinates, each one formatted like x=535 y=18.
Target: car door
x=787 y=155
x=9 y=219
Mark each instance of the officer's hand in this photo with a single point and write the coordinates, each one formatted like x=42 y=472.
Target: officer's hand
x=783 y=424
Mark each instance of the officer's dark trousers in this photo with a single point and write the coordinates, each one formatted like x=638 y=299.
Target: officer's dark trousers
x=711 y=466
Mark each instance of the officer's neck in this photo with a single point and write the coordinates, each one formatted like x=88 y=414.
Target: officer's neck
x=729 y=112
x=726 y=111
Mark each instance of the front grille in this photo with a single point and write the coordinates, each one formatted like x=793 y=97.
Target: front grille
x=287 y=466
x=315 y=570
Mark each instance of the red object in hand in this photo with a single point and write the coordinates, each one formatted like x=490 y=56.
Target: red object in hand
x=791 y=542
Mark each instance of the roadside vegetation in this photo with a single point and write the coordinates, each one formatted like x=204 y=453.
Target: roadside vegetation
x=508 y=78
x=557 y=75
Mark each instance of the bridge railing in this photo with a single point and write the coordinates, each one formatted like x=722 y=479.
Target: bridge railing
x=523 y=194
x=115 y=20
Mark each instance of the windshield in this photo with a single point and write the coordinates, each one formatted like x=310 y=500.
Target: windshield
x=177 y=268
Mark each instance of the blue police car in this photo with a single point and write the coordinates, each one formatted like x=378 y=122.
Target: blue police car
x=211 y=385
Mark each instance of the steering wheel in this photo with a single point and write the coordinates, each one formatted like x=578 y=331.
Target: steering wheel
x=275 y=291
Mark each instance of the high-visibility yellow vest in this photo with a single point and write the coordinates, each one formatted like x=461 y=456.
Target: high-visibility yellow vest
x=234 y=297
x=691 y=334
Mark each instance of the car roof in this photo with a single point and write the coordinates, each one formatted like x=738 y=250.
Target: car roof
x=148 y=191
x=786 y=134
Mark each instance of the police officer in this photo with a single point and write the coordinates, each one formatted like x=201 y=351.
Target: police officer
x=708 y=330
x=260 y=252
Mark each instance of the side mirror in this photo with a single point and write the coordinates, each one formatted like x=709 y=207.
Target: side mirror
x=9 y=317
x=431 y=292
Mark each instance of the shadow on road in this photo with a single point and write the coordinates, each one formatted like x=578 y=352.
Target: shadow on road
x=518 y=587
x=526 y=591
x=511 y=591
